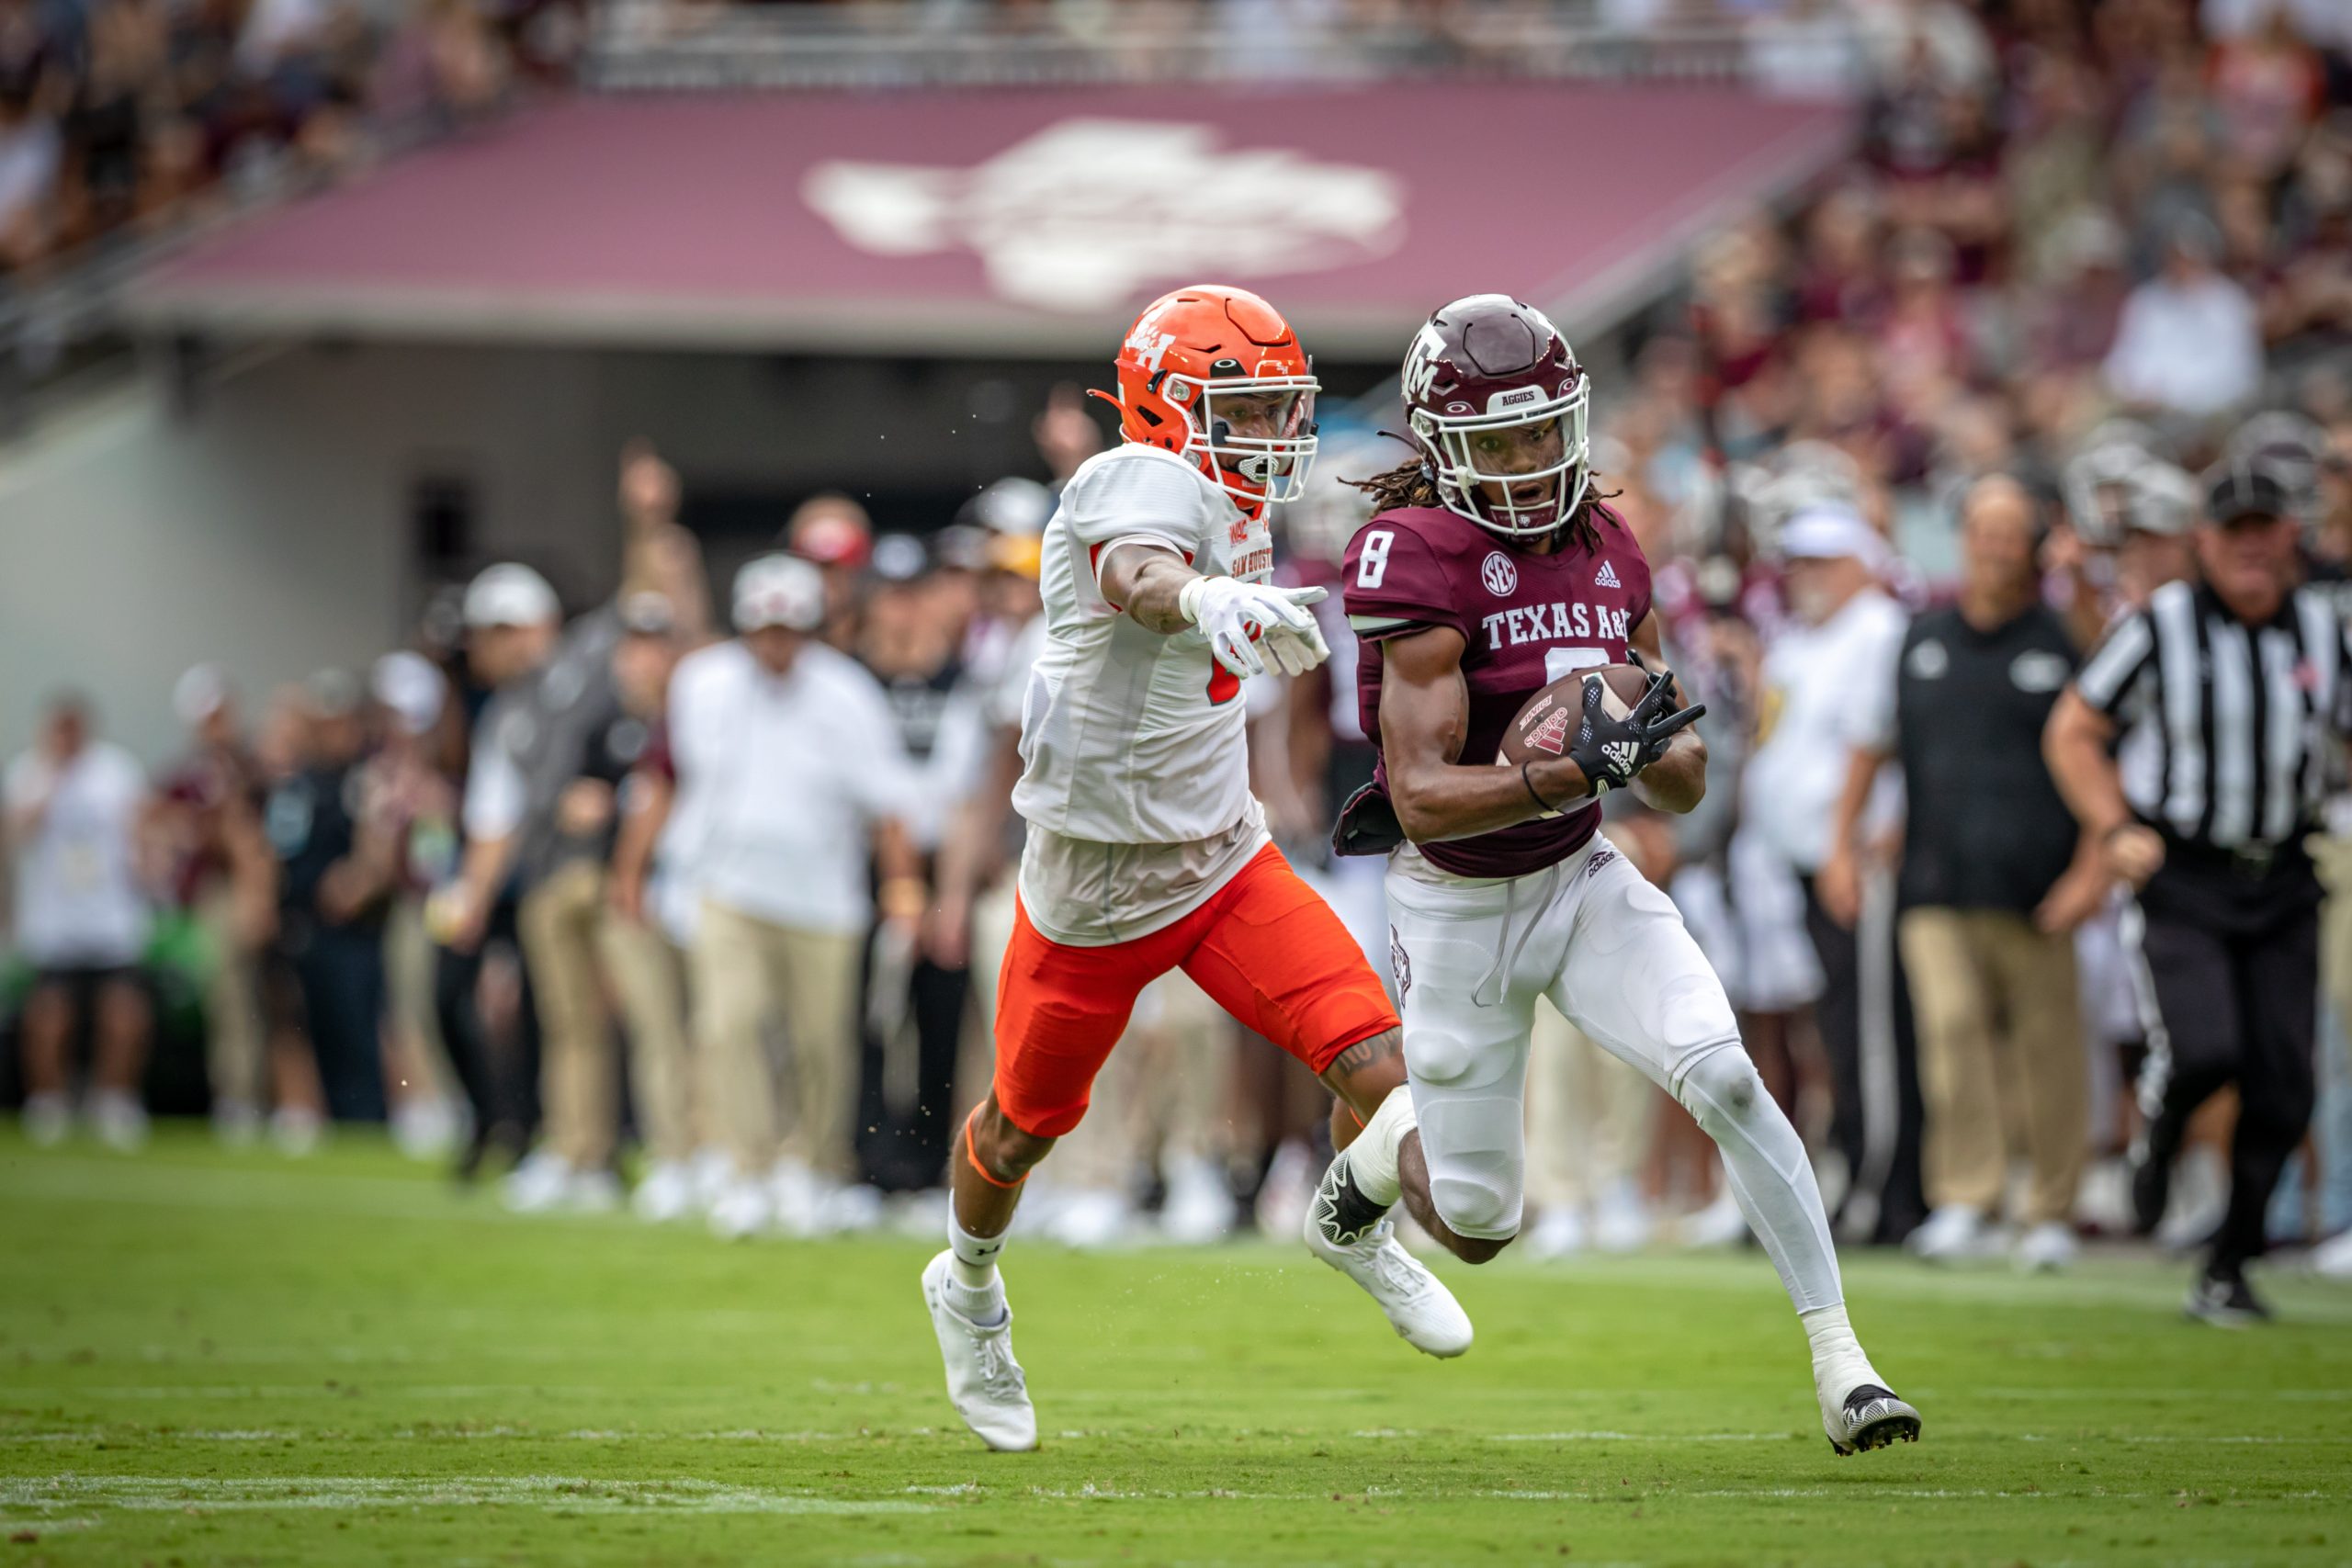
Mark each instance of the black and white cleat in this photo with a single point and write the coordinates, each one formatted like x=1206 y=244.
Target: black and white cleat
x=1872 y=1417
x=2222 y=1299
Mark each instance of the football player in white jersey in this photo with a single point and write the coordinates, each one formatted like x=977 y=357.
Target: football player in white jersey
x=1146 y=850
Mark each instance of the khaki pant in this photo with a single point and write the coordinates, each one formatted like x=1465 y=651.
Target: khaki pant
x=747 y=970
x=1589 y=1116
x=236 y=1059
x=423 y=1060
x=649 y=981
x=578 y=1068
x=2334 y=858
x=1996 y=1006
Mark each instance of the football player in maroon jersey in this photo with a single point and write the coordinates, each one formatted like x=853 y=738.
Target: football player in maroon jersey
x=1490 y=571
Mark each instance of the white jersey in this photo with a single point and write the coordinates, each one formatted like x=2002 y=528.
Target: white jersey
x=1129 y=737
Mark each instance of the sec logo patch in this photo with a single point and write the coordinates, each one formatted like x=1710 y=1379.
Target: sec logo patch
x=1500 y=574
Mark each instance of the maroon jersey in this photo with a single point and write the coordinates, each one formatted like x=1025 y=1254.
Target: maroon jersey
x=1525 y=620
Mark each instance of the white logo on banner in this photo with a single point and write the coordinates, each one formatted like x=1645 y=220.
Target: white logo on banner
x=1085 y=213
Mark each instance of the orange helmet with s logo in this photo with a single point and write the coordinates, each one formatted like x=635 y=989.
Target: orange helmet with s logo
x=1214 y=375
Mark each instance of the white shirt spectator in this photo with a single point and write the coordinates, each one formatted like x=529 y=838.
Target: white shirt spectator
x=780 y=781
x=1822 y=697
x=30 y=155
x=2194 y=347
x=78 y=899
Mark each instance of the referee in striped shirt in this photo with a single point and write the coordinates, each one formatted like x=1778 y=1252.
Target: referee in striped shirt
x=2194 y=744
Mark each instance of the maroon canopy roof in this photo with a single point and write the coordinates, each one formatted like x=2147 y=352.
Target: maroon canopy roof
x=1004 y=221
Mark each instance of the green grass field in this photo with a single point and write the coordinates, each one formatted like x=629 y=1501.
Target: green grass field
x=208 y=1358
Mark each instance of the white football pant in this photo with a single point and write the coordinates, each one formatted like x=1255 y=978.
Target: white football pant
x=1611 y=952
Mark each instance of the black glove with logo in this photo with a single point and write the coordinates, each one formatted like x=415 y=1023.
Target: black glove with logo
x=1611 y=750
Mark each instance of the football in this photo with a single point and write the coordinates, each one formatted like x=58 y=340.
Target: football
x=1548 y=723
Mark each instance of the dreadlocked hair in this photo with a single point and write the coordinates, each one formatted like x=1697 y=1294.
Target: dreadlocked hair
x=1410 y=483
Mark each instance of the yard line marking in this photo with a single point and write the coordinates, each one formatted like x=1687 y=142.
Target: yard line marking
x=566 y=1494
x=338 y=1389
x=1638 y=1437
x=751 y=1435
x=2199 y=1396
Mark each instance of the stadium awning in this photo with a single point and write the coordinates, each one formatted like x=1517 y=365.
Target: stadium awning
x=1003 y=221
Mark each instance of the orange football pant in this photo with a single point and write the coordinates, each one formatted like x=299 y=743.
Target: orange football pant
x=1265 y=947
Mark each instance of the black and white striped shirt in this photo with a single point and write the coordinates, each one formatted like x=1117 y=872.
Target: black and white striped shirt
x=2224 y=726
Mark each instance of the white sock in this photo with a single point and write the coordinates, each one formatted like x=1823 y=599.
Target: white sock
x=974 y=1286
x=1839 y=1364
x=1371 y=1157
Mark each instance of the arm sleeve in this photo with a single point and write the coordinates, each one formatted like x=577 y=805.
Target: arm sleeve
x=495 y=794
x=2110 y=672
x=1394 y=580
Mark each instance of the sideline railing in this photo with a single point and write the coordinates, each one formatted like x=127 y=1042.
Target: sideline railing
x=686 y=45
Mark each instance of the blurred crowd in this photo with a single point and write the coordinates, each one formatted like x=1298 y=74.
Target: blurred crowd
x=120 y=117
x=708 y=889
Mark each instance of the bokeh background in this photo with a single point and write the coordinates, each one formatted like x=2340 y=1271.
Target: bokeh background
x=312 y=309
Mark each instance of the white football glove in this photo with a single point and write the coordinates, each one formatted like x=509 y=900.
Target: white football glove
x=1227 y=610
x=1295 y=653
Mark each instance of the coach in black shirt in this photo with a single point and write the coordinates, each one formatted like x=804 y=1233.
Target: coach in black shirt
x=1991 y=887
x=2194 y=745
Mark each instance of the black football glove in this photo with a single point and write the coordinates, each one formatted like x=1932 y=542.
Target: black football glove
x=1611 y=750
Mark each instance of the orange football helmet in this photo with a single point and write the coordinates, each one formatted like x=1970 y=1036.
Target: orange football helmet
x=1191 y=352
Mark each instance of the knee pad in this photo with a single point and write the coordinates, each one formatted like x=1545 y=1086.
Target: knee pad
x=1721 y=1091
x=1442 y=1059
x=1472 y=1204
x=1475 y=1176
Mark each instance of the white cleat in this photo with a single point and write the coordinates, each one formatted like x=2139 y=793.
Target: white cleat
x=744 y=1210
x=49 y=1120
x=1200 y=1211
x=1622 y=1221
x=120 y=1120
x=1419 y=1306
x=1092 y=1221
x=1868 y=1416
x=667 y=1193
x=1558 y=1231
x=2047 y=1249
x=541 y=1183
x=1953 y=1233
x=984 y=1381
x=593 y=1192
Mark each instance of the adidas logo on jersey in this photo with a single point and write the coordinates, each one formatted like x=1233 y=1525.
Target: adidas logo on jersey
x=1606 y=577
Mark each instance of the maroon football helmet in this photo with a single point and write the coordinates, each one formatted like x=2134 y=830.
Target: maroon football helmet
x=1497 y=400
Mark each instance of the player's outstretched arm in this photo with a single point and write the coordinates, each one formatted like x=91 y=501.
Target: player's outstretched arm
x=1424 y=718
x=1677 y=782
x=1146 y=582
x=1153 y=586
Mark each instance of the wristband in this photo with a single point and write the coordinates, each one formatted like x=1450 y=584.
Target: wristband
x=1188 y=599
x=1525 y=778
